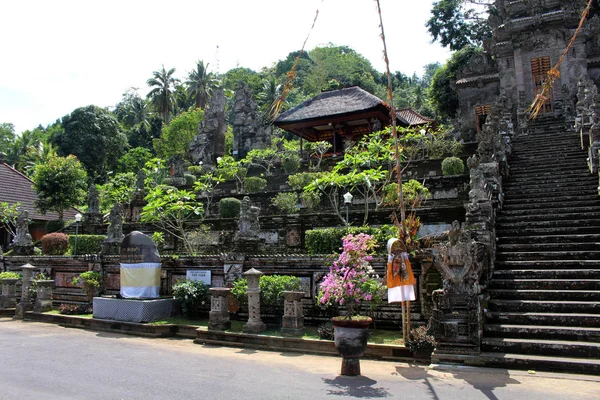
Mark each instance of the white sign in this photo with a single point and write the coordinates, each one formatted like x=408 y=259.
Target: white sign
x=198 y=275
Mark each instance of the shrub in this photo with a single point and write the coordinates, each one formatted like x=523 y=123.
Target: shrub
x=54 y=225
x=229 y=207
x=55 y=244
x=325 y=331
x=91 y=282
x=310 y=200
x=452 y=166
x=298 y=181
x=74 y=309
x=329 y=240
x=195 y=170
x=86 y=244
x=189 y=179
x=420 y=340
x=271 y=289
x=254 y=184
x=159 y=240
x=192 y=295
x=413 y=191
x=9 y=275
x=291 y=163
x=287 y=203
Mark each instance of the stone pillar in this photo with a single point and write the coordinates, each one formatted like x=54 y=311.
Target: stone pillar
x=9 y=293
x=293 y=314
x=219 y=312
x=25 y=304
x=43 y=300
x=255 y=323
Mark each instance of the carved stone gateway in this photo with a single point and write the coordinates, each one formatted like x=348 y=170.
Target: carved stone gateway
x=249 y=132
x=457 y=318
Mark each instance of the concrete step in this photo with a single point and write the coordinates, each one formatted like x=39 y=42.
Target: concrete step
x=554 y=295
x=547 y=255
x=545 y=319
x=569 y=150
x=541 y=347
x=546 y=274
x=545 y=284
x=548 y=306
x=570 y=333
x=533 y=162
x=550 y=191
x=525 y=176
x=541 y=363
x=548 y=264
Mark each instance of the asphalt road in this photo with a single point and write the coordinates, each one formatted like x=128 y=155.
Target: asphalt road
x=44 y=361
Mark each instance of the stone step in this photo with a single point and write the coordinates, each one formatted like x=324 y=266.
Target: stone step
x=584 y=177
x=577 y=223
x=529 y=247
x=531 y=191
x=549 y=168
x=545 y=274
x=547 y=159
x=567 y=151
x=538 y=217
x=554 y=211
x=515 y=198
x=590 y=201
x=547 y=255
x=554 y=295
x=520 y=231
x=541 y=347
x=527 y=176
x=570 y=333
x=541 y=363
x=557 y=184
x=541 y=306
x=548 y=264
x=545 y=284
x=544 y=319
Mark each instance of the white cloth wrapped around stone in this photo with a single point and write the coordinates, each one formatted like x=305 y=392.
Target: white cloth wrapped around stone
x=140 y=280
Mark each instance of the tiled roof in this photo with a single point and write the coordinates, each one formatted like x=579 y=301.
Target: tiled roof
x=17 y=188
x=411 y=117
x=334 y=102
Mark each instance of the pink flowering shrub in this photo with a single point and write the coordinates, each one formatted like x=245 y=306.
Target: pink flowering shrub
x=351 y=278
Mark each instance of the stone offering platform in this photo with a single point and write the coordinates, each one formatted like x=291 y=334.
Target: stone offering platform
x=135 y=310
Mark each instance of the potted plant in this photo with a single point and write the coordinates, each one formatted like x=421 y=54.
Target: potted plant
x=350 y=281
x=420 y=342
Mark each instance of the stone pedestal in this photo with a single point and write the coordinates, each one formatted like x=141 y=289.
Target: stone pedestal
x=219 y=313
x=255 y=323
x=9 y=293
x=293 y=314
x=110 y=248
x=25 y=303
x=19 y=250
x=43 y=300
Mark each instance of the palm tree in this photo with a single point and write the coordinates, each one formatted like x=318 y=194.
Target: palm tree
x=271 y=90
x=161 y=95
x=201 y=84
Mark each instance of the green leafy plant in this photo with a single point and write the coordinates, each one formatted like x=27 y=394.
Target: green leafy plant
x=8 y=216
x=420 y=340
x=91 y=282
x=310 y=200
x=159 y=240
x=286 y=202
x=414 y=193
x=55 y=244
x=299 y=181
x=192 y=296
x=325 y=331
x=229 y=207
x=290 y=162
x=54 y=225
x=452 y=166
x=9 y=275
x=189 y=179
x=86 y=244
x=271 y=289
x=329 y=240
x=74 y=309
x=254 y=184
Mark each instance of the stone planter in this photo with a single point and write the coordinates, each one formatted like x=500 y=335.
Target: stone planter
x=351 y=342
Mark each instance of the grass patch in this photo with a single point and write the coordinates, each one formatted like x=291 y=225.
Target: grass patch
x=181 y=321
x=56 y=312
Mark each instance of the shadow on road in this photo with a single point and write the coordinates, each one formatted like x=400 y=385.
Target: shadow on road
x=359 y=386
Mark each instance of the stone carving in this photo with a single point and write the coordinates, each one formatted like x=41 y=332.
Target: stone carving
x=22 y=236
x=292 y=323
x=115 y=227
x=92 y=200
x=209 y=143
x=249 y=131
x=140 y=181
x=248 y=222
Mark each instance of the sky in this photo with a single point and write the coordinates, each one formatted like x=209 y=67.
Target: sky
x=62 y=54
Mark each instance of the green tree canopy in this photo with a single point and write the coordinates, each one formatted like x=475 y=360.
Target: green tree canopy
x=94 y=136
x=60 y=183
x=162 y=94
x=176 y=137
x=201 y=84
x=7 y=136
x=134 y=160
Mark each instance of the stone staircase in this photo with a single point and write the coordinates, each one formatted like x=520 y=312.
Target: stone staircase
x=544 y=308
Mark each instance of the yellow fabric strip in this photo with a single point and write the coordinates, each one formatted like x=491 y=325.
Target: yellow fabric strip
x=136 y=277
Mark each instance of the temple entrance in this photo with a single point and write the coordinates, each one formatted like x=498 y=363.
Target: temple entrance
x=539 y=71
x=482 y=112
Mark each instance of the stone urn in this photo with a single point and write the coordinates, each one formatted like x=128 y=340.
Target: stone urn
x=351 y=342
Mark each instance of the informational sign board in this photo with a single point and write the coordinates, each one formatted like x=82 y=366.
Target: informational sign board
x=198 y=275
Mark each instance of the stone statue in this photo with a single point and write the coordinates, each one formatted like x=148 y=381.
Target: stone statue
x=140 y=181
x=22 y=236
x=92 y=200
x=248 y=223
x=115 y=227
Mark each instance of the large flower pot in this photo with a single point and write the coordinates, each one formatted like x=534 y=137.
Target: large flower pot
x=351 y=342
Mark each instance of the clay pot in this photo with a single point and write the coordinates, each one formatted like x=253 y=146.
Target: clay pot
x=351 y=342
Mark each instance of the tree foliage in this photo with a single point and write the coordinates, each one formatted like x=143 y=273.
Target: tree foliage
x=176 y=137
x=161 y=95
x=94 y=136
x=60 y=183
x=201 y=84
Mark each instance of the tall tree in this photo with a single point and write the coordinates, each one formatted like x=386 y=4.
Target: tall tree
x=7 y=136
x=132 y=110
x=60 y=183
x=161 y=95
x=201 y=84
x=176 y=137
x=459 y=23
x=94 y=136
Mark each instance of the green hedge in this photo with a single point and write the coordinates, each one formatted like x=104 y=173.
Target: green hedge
x=86 y=244
x=271 y=289
x=329 y=240
x=255 y=184
x=229 y=207
x=452 y=166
